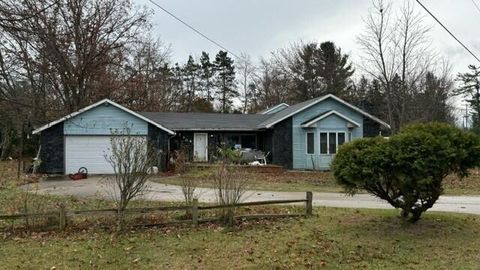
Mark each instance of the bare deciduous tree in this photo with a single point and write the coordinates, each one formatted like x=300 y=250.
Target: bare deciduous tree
x=246 y=73
x=147 y=79
x=64 y=49
x=397 y=53
x=272 y=86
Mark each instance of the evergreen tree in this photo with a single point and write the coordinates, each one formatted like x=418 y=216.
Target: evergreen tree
x=317 y=70
x=335 y=71
x=178 y=78
x=206 y=76
x=304 y=68
x=433 y=99
x=225 y=81
x=470 y=89
x=191 y=78
x=358 y=93
x=202 y=105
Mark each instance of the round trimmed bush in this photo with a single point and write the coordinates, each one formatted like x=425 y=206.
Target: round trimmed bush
x=407 y=169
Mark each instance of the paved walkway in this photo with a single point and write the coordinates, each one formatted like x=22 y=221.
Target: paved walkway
x=93 y=187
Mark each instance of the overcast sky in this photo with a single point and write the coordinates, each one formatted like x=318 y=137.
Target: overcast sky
x=257 y=27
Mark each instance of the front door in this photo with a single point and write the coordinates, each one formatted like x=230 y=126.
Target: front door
x=200 y=147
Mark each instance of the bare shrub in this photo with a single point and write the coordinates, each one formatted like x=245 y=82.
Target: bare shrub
x=131 y=163
x=180 y=161
x=188 y=184
x=230 y=184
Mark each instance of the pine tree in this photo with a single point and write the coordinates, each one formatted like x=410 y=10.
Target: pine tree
x=191 y=78
x=177 y=81
x=335 y=71
x=206 y=76
x=317 y=70
x=304 y=68
x=433 y=99
x=225 y=81
x=470 y=89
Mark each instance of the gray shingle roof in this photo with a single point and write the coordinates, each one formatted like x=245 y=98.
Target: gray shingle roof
x=274 y=108
x=237 y=122
x=318 y=115
x=207 y=121
x=281 y=114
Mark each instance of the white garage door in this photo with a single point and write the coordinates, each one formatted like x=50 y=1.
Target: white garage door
x=89 y=152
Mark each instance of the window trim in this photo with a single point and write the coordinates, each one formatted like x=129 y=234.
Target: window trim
x=306 y=142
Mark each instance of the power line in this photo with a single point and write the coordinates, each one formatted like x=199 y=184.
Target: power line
x=193 y=28
x=446 y=29
x=30 y=16
x=476 y=5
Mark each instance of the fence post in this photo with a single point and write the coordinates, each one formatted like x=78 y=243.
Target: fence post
x=62 y=216
x=195 y=212
x=308 y=203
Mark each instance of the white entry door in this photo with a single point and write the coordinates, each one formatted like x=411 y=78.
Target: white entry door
x=200 y=147
x=89 y=152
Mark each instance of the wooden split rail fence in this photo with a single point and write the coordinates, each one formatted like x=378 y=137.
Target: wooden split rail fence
x=62 y=214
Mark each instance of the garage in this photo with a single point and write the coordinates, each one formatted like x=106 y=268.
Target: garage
x=83 y=138
x=89 y=152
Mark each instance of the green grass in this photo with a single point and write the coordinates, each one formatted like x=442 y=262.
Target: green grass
x=283 y=181
x=333 y=239
x=314 y=181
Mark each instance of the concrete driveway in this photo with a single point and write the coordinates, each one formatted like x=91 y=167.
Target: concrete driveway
x=94 y=187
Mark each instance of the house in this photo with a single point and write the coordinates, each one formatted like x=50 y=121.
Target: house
x=302 y=136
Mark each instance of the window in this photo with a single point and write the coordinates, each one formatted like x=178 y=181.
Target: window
x=310 y=143
x=323 y=143
x=248 y=141
x=241 y=140
x=332 y=142
x=341 y=138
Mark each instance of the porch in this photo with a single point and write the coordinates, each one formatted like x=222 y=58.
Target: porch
x=202 y=147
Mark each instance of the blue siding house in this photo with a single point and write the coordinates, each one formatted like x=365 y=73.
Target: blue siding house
x=338 y=125
x=102 y=120
x=303 y=136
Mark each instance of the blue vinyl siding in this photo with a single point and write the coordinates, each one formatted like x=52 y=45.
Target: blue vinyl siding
x=102 y=120
x=332 y=123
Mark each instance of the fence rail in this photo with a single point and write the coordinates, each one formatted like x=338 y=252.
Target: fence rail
x=63 y=214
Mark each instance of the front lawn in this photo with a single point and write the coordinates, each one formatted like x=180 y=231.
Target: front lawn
x=333 y=239
x=313 y=181
x=282 y=181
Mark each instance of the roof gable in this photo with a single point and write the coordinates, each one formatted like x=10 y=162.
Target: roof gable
x=104 y=101
x=327 y=114
x=297 y=108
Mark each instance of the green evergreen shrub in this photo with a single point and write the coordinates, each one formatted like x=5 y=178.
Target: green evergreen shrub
x=408 y=168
